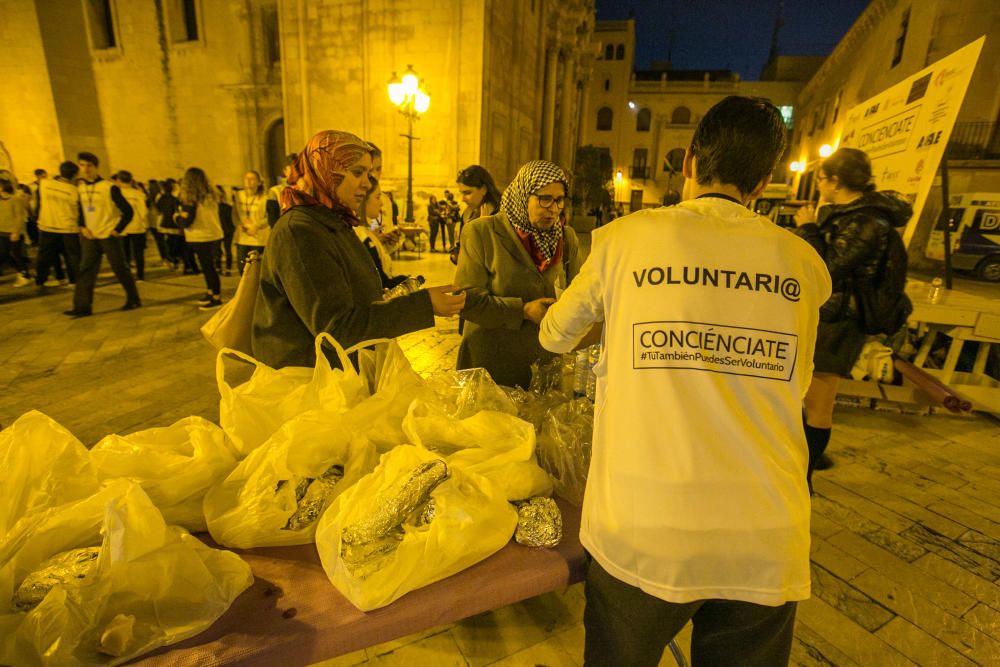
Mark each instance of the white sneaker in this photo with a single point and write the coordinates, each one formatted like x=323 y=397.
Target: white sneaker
x=52 y=282
x=21 y=281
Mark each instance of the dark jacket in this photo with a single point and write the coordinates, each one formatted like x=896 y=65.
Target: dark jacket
x=851 y=239
x=499 y=276
x=317 y=277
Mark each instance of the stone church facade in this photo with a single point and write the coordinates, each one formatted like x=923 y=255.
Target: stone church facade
x=155 y=86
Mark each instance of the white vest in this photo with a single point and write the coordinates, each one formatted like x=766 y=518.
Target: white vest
x=697 y=484
x=137 y=199
x=252 y=207
x=99 y=210
x=60 y=207
x=206 y=225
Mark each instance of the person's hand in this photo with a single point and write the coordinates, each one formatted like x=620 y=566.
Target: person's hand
x=248 y=228
x=86 y=233
x=14 y=237
x=805 y=215
x=535 y=310
x=444 y=302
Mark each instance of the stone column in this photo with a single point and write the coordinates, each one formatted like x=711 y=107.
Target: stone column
x=549 y=108
x=566 y=112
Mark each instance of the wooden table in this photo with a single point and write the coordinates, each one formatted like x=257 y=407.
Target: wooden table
x=292 y=615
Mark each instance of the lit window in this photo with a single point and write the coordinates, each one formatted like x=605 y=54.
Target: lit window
x=787 y=115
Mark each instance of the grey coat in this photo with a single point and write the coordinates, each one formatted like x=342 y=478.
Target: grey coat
x=318 y=277
x=499 y=277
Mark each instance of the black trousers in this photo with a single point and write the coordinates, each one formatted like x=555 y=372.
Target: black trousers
x=161 y=244
x=52 y=246
x=135 y=251
x=227 y=246
x=206 y=252
x=437 y=226
x=626 y=626
x=90 y=265
x=13 y=251
x=243 y=250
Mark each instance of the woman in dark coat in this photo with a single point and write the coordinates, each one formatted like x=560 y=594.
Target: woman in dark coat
x=317 y=276
x=851 y=235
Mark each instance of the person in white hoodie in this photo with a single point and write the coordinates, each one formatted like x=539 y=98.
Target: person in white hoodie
x=696 y=505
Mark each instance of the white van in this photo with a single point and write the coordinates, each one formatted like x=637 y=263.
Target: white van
x=975 y=234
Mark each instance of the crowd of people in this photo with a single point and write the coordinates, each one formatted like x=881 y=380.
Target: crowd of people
x=714 y=392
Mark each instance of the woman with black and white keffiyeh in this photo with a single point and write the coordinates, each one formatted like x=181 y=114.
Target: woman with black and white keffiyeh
x=512 y=265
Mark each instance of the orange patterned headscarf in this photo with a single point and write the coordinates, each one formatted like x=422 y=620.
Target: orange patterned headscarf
x=319 y=169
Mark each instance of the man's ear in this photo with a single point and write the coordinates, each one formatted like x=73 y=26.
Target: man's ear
x=688 y=166
x=760 y=188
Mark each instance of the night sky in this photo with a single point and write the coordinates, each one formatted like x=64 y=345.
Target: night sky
x=730 y=34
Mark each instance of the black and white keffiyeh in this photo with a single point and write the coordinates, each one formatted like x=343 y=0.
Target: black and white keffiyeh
x=531 y=178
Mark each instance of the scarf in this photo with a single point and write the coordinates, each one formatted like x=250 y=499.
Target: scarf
x=544 y=245
x=319 y=169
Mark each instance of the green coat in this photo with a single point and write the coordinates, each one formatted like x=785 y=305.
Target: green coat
x=499 y=277
x=318 y=277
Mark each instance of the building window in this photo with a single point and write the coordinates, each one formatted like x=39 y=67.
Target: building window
x=607 y=84
x=674 y=161
x=183 y=17
x=815 y=121
x=272 y=40
x=681 y=116
x=787 y=115
x=101 y=21
x=609 y=52
x=639 y=168
x=643 y=120
x=836 y=107
x=822 y=116
x=604 y=118
x=620 y=52
x=897 y=54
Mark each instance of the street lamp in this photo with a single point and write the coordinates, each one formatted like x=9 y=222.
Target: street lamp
x=411 y=101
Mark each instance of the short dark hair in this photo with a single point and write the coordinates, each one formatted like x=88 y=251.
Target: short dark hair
x=376 y=151
x=738 y=142
x=41 y=172
x=86 y=156
x=290 y=159
x=125 y=176
x=69 y=170
x=852 y=167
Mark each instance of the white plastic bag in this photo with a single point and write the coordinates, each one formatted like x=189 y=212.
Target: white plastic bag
x=252 y=507
x=472 y=520
x=251 y=412
x=175 y=465
x=152 y=584
x=41 y=465
x=498 y=446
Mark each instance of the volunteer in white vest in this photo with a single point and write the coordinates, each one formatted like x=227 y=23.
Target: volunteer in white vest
x=199 y=217
x=104 y=216
x=58 y=207
x=13 y=227
x=134 y=239
x=696 y=504
x=250 y=218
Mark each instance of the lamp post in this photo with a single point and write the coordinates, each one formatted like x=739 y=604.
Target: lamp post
x=411 y=101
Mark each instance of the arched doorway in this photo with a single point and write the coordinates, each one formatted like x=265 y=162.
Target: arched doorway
x=275 y=146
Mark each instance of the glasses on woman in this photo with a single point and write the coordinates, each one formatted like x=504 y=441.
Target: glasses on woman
x=546 y=201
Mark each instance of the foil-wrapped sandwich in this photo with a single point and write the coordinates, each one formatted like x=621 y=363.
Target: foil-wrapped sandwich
x=365 y=542
x=67 y=567
x=539 y=523
x=311 y=496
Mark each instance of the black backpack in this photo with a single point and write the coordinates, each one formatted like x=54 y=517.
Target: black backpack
x=882 y=301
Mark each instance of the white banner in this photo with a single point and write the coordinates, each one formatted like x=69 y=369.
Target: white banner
x=904 y=130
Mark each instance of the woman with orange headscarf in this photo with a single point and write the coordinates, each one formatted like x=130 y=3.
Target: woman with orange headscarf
x=317 y=276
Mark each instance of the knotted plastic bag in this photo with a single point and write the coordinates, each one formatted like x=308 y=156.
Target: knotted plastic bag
x=41 y=465
x=564 y=447
x=275 y=496
x=498 y=446
x=150 y=585
x=251 y=412
x=466 y=392
x=470 y=519
x=176 y=465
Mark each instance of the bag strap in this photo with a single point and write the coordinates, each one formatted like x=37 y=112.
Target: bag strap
x=367 y=343
x=345 y=360
x=220 y=366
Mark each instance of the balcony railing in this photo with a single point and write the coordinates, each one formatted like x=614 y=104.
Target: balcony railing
x=974 y=141
x=642 y=172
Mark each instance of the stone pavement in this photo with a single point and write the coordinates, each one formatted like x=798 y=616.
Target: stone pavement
x=906 y=526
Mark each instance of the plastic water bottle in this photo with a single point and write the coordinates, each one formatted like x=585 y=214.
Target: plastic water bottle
x=595 y=354
x=936 y=291
x=408 y=286
x=580 y=370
